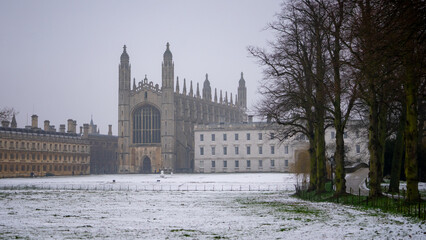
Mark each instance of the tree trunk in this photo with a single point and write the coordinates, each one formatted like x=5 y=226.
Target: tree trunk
x=411 y=165
x=373 y=147
x=313 y=160
x=397 y=156
x=382 y=137
x=320 y=156
x=339 y=157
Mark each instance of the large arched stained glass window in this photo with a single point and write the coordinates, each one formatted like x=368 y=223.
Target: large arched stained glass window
x=146 y=125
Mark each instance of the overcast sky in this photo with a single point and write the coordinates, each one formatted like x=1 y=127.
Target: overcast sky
x=59 y=59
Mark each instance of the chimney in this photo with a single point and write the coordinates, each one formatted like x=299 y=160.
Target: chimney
x=74 y=126
x=46 y=125
x=34 y=121
x=110 y=130
x=62 y=128
x=85 y=130
x=250 y=118
x=5 y=123
x=70 y=124
x=81 y=130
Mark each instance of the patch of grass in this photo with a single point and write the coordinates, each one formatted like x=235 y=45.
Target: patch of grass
x=385 y=204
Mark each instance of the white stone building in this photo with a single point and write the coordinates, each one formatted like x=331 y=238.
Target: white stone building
x=252 y=147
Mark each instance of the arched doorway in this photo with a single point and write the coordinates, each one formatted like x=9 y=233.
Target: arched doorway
x=146 y=165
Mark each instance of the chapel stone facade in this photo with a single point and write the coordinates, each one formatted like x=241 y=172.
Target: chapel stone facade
x=156 y=123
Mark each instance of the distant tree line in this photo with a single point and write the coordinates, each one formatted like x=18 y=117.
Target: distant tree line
x=333 y=60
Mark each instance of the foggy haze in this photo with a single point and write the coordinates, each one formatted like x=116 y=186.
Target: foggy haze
x=59 y=59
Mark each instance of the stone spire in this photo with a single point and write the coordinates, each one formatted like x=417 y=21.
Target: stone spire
x=207 y=91
x=134 y=83
x=231 y=99
x=220 y=99
x=242 y=93
x=124 y=56
x=184 y=87
x=215 y=95
x=13 y=124
x=191 y=92
x=177 y=84
x=198 y=90
x=168 y=70
x=226 y=97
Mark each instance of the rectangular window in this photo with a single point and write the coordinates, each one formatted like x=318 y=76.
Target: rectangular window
x=213 y=150
x=260 y=136
x=272 y=149
x=260 y=150
x=201 y=137
x=248 y=136
x=201 y=164
x=357 y=134
x=236 y=137
x=248 y=163
x=272 y=163
x=358 y=149
x=225 y=150
x=272 y=135
x=285 y=149
x=248 y=150
x=201 y=150
x=332 y=135
x=213 y=137
x=213 y=164
x=345 y=135
x=236 y=151
x=260 y=163
x=286 y=163
x=224 y=137
x=225 y=163
x=237 y=163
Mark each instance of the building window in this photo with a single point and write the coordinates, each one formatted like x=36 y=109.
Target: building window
x=272 y=163
x=285 y=149
x=286 y=163
x=357 y=134
x=146 y=125
x=213 y=150
x=224 y=137
x=260 y=136
x=272 y=149
x=201 y=150
x=358 y=149
x=260 y=150
x=236 y=151
x=225 y=150
x=260 y=163
x=213 y=137
x=248 y=163
x=272 y=135
x=345 y=135
x=248 y=150
x=201 y=164
x=248 y=136
x=236 y=137
x=225 y=163
x=237 y=163
x=201 y=137
x=332 y=135
x=213 y=164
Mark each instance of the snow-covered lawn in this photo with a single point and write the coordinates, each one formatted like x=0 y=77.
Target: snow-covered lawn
x=65 y=209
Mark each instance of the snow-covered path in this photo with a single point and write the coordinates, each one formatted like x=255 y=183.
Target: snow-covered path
x=101 y=214
x=355 y=182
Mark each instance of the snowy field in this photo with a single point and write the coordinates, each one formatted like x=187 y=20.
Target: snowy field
x=183 y=206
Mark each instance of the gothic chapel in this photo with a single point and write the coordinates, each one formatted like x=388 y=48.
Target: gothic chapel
x=156 y=124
